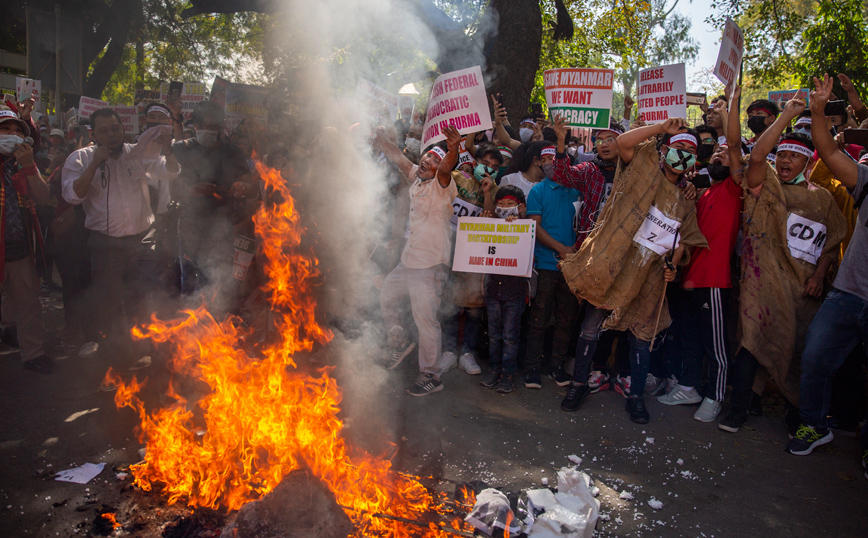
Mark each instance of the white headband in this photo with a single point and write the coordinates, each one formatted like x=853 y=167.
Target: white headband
x=683 y=137
x=795 y=148
x=8 y=114
x=548 y=150
x=864 y=159
x=161 y=110
x=438 y=151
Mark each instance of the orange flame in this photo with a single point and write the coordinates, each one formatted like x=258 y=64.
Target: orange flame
x=111 y=519
x=261 y=418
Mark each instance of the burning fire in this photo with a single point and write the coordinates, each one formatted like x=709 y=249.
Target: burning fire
x=260 y=418
x=110 y=516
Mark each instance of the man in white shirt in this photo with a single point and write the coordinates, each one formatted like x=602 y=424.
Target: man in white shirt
x=110 y=181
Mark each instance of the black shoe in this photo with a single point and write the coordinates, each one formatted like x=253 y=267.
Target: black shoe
x=425 y=384
x=638 y=411
x=506 y=384
x=40 y=364
x=807 y=439
x=490 y=379
x=734 y=420
x=575 y=394
x=532 y=380
x=560 y=377
x=756 y=408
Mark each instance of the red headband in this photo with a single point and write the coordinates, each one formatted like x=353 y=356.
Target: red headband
x=511 y=197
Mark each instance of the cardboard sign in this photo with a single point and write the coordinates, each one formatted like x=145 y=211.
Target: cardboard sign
x=582 y=96
x=89 y=105
x=27 y=88
x=658 y=232
x=457 y=99
x=728 y=63
x=662 y=93
x=374 y=98
x=781 y=97
x=495 y=246
x=805 y=238
x=129 y=118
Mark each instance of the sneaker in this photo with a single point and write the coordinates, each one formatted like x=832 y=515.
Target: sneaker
x=575 y=394
x=680 y=396
x=399 y=353
x=506 y=384
x=734 y=420
x=41 y=364
x=708 y=411
x=638 y=411
x=807 y=439
x=756 y=408
x=532 y=380
x=598 y=381
x=425 y=384
x=448 y=361
x=560 y=377
x=622 y=386
x=468 y=364
x=653 y=384
x=490 y=379
x=671 y=383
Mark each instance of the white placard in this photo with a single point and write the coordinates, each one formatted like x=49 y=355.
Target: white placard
x=463 y=208
x=582 y=96
x=129 y=118
x=495 y=246
x=728 y=63
x=457 y=99
x=662 y=93
x=27 y=88
x=89 y=105
x=375 y=97
x=658 y=232
x=805 y=238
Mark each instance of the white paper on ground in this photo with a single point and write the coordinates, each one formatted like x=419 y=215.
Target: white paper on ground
x=576 y=512
x=80 y=475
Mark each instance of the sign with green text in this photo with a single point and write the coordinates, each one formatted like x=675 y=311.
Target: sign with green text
x=582 y=96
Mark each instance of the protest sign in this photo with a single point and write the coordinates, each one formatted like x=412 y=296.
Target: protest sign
x=781 y=97
x=695 y=98
x=191 y=93
x=457 y=99
x=9 y=97
x=728 y=63
x=89 y=105
x=494 y=246
x=374 y=98
x=27 y=88
x=662 y=92
x=129 y=118
x=406 y=104
x=582 y=96
x=218 y=91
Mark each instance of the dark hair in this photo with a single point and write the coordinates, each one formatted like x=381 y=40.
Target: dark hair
x=799 y=137
x=616 y=126
x=207 y=110
x=550 y=135
x=766 y=104
x=105 y=113
x=525 y=154
x=487 y=148
x=665 y=140
x=706 y=129
x=441 y=145
x=509 y=190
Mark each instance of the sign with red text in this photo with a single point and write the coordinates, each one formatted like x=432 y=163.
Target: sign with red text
x=728 y=63
x=582 y=96
x=129 y=118
x=662 y=93
x=375 y=98
x=27 y=88
x=89 y=105
x=494 y=246
x=457 y=99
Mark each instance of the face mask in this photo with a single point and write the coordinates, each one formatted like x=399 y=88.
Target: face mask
x=502 y=170
x=208 y=139
x=525 y=134
x=803 y=131
x=717 y=172
x=414 y=145
x=8 y=143
x=757 y=124
x=504 y=212
x=481 y=170
x=705 y=152
x=548 y=169
x=799 y=178
x=679 y=159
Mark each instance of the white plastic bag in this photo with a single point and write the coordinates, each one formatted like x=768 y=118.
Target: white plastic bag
x=492 y=511
x=576 y=512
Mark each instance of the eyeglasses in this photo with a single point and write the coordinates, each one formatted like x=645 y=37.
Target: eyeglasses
x=604 y=141
x=709 y=141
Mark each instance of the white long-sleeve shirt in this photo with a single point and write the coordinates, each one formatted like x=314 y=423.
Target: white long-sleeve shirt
x=124 y=207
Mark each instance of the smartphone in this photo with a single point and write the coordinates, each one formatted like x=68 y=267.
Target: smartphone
x=175 y=88
x=856 y=136
x=536 y=110
x=499 y=98
x=835 y=108
x=82 y=132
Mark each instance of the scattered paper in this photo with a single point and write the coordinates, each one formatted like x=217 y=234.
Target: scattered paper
x=80 y=475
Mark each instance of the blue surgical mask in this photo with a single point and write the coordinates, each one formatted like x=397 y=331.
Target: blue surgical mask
x=680 y=159
x=481 y=170
x=798 y=179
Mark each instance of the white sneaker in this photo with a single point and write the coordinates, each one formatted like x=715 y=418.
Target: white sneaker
x=448 y=361
x=468 y=364
x=671 y=383
x=679 y=396
x=652 y=383
x=708 y=411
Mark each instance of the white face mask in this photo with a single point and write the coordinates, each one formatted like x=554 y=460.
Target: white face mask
x=414 y=145
x=207 y=139
x=8 y=142
x=525 y=134
x=504 y=212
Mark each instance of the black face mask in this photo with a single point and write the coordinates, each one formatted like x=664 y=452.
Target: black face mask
x=757 y=124
x=705 y=152
x=717 y=171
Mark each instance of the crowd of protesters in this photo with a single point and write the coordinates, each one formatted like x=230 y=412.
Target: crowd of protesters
x=762 y=282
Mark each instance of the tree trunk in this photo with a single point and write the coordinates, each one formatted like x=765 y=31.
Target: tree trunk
x=514 y=58
x=108 y=64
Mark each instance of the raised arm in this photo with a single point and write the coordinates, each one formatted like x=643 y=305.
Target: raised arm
x=853 y=96
x=447 y=164
x=732 y=128
x=391 y=151
x=500 y=119
x=843 y=168
x=756 y=172
x=628 y=141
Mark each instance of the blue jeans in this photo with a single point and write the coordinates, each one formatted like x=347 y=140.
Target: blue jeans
x=472 y=327
x=504 y=329
x=640 y=363
x=839 y=324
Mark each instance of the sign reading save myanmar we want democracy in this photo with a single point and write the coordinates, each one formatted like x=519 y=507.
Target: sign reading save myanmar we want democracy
x=582 y=96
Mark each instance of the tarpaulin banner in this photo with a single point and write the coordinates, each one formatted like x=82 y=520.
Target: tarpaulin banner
x=582 y=96
x=662 y=92
x=494 y=246
x=457 y=99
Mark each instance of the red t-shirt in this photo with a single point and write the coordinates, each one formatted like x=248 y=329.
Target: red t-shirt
x=717 y=211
